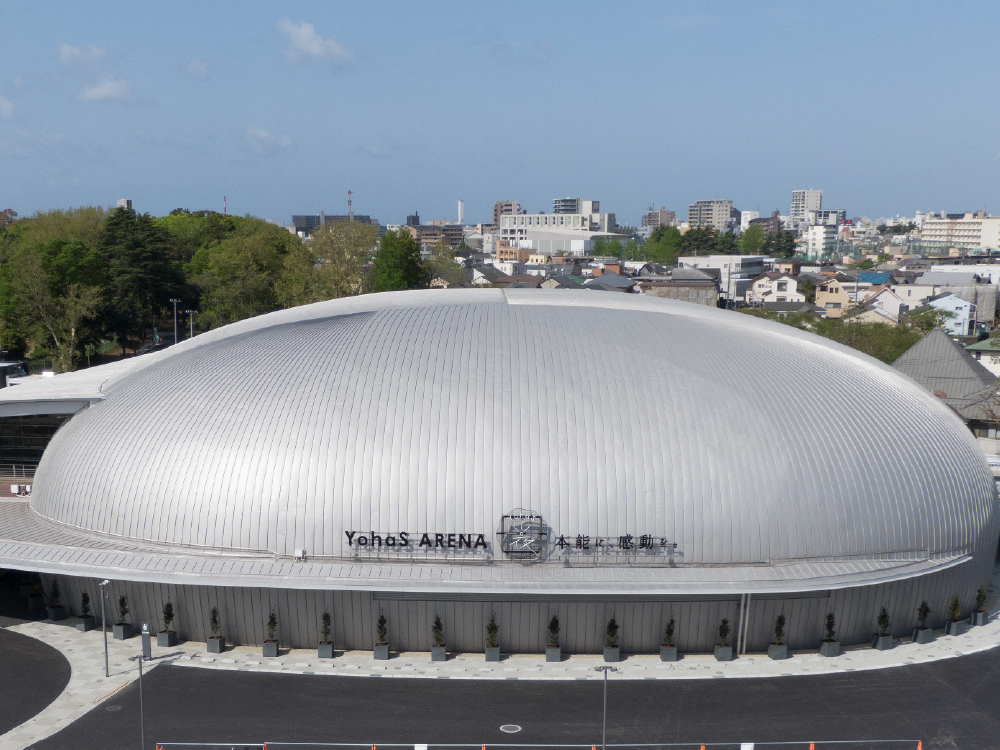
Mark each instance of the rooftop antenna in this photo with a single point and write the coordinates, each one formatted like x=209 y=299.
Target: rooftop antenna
x=350 y=211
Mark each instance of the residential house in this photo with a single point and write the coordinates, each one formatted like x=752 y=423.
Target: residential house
x=774 y=287
x=832 y=297
x=962 y=313
x=987 y=353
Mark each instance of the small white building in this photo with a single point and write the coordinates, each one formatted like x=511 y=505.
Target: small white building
x=822 y=240
x=732 y=268
x=774 y=287
x=963 y=313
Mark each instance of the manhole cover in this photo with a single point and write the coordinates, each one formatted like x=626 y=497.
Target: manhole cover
x=119 y=708
x=510 y=728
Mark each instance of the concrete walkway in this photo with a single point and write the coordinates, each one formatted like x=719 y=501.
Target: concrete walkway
x=88 y=686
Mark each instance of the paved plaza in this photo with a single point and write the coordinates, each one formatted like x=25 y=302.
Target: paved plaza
x=88 y=688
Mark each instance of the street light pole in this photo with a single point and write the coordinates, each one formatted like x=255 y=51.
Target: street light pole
x=604 y=721
x=191 y=314
x=104 y=627
x=175 y=301
x=142 y=720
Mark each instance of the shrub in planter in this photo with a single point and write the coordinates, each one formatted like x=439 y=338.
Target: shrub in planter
x=492 y=649
x=382 y=647
x=923 y=634
x=56 y=611
x=439 y=651
x=552 y=650
x=167 y=638
x=326 y=645
x=882 y=640
x=86 y=620
x=830 y=645
x=611 y=653
x=778 y=649
x=271 y=644
x=122 y=629
x=668 y=651
x=980 y=616
x=216 y=643
x=723 y=651
x=954 y=626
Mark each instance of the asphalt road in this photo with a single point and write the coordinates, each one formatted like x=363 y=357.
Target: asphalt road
x=947 y=704
x=32 y=675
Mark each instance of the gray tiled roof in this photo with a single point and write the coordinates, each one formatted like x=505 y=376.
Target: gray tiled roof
x=940 y=364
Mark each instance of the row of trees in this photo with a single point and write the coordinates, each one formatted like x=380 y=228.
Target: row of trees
x=70 y=279
x=665 y=244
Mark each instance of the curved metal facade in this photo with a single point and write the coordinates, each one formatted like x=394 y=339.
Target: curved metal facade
x=745 y=443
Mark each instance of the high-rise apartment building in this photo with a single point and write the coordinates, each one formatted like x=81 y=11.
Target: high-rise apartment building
x=717 y=214
x=804 y=201
x=654 y=218
x=505 y=208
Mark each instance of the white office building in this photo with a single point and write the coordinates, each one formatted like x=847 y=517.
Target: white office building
x=559 y=232
x=966 y=232
x=733 y=269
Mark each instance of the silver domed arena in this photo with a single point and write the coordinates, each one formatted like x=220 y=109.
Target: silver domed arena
x=516 y=453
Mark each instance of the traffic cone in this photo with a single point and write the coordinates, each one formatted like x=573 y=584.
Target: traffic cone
x=920 y=745
x=812 y=746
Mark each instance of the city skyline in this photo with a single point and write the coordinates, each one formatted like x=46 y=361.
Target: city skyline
x=283 y=109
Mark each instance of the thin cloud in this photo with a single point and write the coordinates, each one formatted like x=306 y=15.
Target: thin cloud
x=89 y=55
x=197 y=69
x=108 y=90
x=306 y=44
x=6 y=109
x=262 y=142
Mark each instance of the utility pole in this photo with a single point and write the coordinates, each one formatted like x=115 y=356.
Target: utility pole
x=175 y=301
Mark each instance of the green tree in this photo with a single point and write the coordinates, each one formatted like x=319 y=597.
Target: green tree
x=699 y=241
x=808 y=288
x=84 y=224
x=726 y=244
x=752 y=240
x=141 y=277
x=397 y=263
x=862 y=265
x=663 y=245
x=57 y=320
x=781 y=244
x=441 y=265
x=328 y=266
x=239 y=279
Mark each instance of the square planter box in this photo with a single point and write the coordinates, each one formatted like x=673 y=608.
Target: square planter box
x=829 y=648
x=980 y=618
x=122 y=632
x=166 y=639
x=83 y=624
x=439 y=653
x=723 y=653
x=325 y=650
x=777 y=651
x=492 y=653
x=668 y=653
x=57 y=613
x=381 y=651
x=954 y=627
x=270 y=648
x=27 y=590
x=612 y=654
x=36 y=604
x=882 y=642
x=553 y=653
x=216 y=644
x=923 y=635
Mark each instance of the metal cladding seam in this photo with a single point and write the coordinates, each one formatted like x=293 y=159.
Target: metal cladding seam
x=747 y=442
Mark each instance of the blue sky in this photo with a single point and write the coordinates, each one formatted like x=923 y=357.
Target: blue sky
x=282 y=107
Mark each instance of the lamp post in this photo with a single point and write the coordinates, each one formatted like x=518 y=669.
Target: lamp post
x=175 y=301
x=104 y=628
x=191 y=314
x=142 y=721
x=604 y=722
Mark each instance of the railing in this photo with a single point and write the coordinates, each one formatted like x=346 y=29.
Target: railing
x=818 y=745
x=17 y=471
